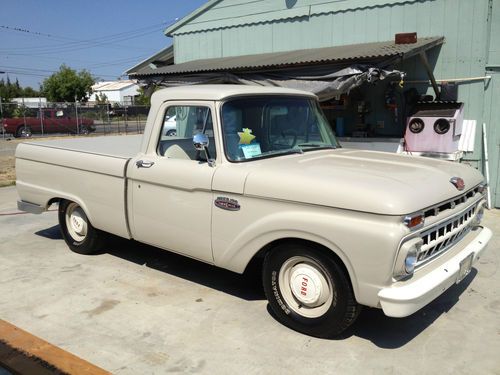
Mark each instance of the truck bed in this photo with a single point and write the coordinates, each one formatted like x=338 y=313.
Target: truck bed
x=88 y=171
x=115 y=146
x=103 y=155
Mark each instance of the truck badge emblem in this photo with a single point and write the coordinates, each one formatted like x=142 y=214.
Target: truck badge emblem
x=458 y=183
x=227 y=204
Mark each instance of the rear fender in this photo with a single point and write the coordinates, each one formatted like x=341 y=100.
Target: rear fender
x=46 y=197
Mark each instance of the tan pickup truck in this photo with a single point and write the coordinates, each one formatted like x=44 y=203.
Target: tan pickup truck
x=256 y=173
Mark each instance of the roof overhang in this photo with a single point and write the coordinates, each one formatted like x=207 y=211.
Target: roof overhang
x=162 y=58
x=376 y=52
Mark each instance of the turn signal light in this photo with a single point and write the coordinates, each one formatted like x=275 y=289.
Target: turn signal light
x=414 y=221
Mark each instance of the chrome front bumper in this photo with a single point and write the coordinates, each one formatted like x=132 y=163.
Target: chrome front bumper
x=404 y=298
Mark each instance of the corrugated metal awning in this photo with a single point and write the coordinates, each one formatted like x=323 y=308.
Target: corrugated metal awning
x=364 y=52
x=161 y=58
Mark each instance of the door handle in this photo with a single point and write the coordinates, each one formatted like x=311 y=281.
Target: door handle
x=144 y=163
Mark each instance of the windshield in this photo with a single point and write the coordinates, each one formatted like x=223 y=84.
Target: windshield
x=259 y=127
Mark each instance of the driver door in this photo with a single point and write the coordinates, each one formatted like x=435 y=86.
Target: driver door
x=170 y=187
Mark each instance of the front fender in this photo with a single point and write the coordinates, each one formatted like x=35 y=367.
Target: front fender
x=237 y=258
x=365 y=243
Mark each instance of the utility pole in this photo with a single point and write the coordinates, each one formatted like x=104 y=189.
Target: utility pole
x=24 y=115
x=41 y=112
x=1 y=113
x=1 y=117
x=76 y=112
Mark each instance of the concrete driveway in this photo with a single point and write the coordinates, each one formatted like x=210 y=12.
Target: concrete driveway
x=139 y=310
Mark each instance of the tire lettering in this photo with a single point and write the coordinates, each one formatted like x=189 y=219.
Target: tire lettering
x=274 y=285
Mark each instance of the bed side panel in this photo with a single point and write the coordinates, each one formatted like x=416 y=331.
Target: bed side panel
x=96 y=182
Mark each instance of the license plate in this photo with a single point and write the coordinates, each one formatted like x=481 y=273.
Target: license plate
x=465 y=267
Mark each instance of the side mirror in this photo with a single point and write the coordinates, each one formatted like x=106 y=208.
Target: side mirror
x=200 y=141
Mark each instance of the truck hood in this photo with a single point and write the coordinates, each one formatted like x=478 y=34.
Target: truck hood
x=369 y=181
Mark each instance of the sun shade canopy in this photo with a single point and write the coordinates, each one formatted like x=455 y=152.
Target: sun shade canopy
x=375 y=52
x=326 y=72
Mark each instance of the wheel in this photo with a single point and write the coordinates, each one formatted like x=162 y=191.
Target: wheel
x=308 y=291
x=172 y=133
x=24 y=131
x=84 y=130
x=77 y=231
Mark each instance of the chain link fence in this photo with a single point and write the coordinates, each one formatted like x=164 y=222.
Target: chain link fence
x=60 y=119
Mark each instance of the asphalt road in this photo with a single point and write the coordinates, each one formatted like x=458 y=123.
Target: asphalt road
x=138 y=310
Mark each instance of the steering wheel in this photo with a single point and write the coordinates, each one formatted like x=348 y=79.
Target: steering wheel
x=285 y=136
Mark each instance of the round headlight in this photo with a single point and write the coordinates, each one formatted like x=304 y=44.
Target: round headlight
x=407 y=258
x=410 y=261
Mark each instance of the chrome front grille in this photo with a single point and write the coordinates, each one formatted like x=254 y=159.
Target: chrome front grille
x=452 y=203
x=443 y=236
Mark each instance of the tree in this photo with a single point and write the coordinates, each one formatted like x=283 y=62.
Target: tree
x=9 y=90
x=29 y=92
x=101 y=98
x=144 y=97
x=66 y=84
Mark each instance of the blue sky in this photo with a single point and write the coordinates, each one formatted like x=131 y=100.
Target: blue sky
x=104 y=37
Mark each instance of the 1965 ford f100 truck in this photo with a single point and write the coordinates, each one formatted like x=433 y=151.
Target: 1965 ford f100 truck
x=256 y=173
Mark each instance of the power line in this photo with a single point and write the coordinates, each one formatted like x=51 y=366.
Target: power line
x=24 y=30
x=34 y=74
x=94 y=65
x=78 y=44
x=65 y=44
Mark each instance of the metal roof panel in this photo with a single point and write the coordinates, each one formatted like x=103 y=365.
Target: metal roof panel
x=363 y=51
x=113 y=85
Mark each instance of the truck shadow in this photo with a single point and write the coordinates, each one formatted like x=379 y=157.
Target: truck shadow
x=392 y=333
x=372 y=324
x=52 y=233
x=247 y=286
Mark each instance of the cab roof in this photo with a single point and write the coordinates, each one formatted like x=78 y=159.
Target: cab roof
x=219 y=92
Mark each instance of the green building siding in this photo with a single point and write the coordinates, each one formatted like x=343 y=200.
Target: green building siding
x=494 y=35
x=492 y=100
x=471 y=30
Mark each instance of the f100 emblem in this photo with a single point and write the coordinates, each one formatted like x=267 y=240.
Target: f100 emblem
x=227 y=204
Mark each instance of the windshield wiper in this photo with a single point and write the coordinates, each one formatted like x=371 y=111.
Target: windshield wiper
x=282 y=152
x=316 y=146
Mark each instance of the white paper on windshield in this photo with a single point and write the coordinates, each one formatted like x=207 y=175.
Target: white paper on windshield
x=251 y=150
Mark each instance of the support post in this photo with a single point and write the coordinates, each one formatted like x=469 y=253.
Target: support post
x=425 y=62
x=76 y=113
x=1 y=118
x=40 y=113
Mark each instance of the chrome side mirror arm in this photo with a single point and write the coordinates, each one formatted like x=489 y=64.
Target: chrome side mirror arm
x=200 y=143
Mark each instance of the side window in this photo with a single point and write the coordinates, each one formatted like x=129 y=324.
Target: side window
x=180 y=124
